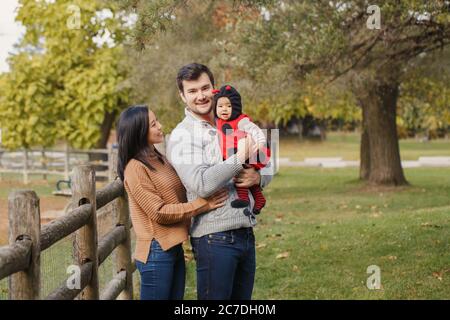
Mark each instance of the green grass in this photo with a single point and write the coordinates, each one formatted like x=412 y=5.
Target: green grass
x=346 y=145
x=334 y=228
x=13 y=181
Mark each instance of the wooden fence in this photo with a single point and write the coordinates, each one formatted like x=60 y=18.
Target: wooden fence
x=41 y=161
x=20 y=260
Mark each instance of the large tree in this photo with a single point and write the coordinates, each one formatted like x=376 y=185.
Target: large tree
x=366 y=48
x=65 y=80
x=328 y=40
x=202 y=31
x=424 y=104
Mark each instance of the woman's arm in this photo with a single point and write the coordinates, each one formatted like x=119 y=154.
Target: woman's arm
x=147 y=197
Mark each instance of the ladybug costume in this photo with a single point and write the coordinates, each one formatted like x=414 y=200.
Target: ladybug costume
x=230 y=132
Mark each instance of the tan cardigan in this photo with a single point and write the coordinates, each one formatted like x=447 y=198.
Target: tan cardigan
x=158 y=206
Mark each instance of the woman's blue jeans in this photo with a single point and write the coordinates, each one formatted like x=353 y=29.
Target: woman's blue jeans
x=163 y=276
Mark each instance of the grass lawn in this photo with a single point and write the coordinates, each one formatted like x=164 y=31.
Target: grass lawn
x=333 y=228
x=328 y=228
x=346 y=145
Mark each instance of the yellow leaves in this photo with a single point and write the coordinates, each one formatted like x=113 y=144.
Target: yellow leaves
x=283 y=255
x=389 y=258
x=392 y=258
x=431 y=225
x=440 y=274
x=33 y=120
x=307 y=101
x=261 y=246
x=376 y=214
x=437 y=275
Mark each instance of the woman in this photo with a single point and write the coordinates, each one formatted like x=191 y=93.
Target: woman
x=158 y=207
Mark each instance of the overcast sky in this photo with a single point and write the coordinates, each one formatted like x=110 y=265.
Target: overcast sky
x=10 y=31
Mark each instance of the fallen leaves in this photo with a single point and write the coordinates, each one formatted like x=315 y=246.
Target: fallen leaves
x=392 y=258
x=283 y=255
x=377 y=214
x=428 y=224
x=188 y=257
x=276 y=235
x=261 y=245
x=440 y=274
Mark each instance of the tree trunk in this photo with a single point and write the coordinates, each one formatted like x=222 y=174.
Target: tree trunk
x=364 y=167
x=102 y=143
x=380 y=152
x=105 y=129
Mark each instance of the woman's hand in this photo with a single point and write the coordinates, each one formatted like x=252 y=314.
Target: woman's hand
x=217 y=200
x=246 y=147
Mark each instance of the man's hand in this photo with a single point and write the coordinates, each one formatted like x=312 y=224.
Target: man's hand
x=247 y=177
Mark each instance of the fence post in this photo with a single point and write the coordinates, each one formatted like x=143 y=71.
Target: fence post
x=25 y=166
x=122 y=256
x=44 y=163
x=1 y=155
x=24 y=221
x=112 y=163
x=66 y=161
x=86 y=238
x=274 y=150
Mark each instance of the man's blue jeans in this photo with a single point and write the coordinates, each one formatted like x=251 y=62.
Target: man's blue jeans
x=163 y=276
x=226 y=265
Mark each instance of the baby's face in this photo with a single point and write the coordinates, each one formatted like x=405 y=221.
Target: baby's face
x=224 y=108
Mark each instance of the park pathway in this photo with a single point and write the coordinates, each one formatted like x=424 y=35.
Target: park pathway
x=338 y=162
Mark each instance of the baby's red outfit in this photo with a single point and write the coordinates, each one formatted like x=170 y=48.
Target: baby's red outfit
x=230 y=133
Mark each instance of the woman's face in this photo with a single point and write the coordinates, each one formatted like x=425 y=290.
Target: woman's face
x=155 y=134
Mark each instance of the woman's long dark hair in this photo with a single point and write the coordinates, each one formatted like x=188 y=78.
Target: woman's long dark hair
x=132 y=137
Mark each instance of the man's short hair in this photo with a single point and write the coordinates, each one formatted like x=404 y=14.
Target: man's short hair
x=192 y=71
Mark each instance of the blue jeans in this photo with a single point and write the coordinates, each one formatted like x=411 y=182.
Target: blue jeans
x=226 y=264
x=163 y=276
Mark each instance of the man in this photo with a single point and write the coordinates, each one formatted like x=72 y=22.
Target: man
x=222 y=240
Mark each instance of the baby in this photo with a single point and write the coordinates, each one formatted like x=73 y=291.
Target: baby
x=232 y=126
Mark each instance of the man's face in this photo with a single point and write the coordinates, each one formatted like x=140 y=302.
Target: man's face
x=197 y=95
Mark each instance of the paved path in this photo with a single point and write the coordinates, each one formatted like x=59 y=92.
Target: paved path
x=337 y=162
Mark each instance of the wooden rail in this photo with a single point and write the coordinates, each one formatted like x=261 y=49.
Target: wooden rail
x=20 y=260
x=42 y=167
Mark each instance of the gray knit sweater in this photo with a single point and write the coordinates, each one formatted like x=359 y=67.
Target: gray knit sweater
x=194 y=151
